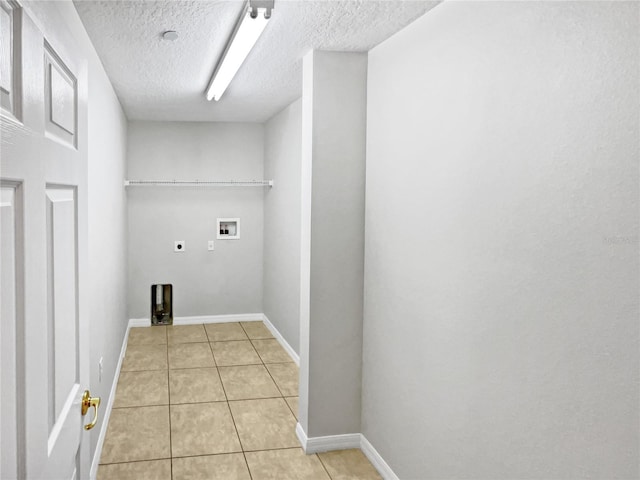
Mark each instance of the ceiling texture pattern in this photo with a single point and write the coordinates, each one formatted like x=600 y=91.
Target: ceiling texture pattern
x=162 y=80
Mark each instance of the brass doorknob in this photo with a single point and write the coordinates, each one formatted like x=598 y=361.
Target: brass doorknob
x=89 y=401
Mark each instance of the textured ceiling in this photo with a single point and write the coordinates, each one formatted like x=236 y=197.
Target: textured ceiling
x=157 y=79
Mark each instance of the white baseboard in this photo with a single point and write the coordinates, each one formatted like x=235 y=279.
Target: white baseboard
x=93 y=473
x=302 y=436
x=278 y=336
x=139 y=322
x=343 y=442
x=328 y=443
x=239 y=317
x=376 y=460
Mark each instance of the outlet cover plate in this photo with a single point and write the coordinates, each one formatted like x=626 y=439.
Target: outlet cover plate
x=179 y=246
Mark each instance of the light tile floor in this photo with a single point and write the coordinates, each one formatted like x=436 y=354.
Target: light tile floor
x=215 y=402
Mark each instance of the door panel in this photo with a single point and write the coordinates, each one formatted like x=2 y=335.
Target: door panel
x=10 y=23
x=62 y=331
x=44 y=154
x=6 y=63
x=60 y=98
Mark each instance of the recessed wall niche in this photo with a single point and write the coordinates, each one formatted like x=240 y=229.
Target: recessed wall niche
x=228 y=228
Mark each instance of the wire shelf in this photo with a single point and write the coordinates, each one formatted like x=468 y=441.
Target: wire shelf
x=198 y=183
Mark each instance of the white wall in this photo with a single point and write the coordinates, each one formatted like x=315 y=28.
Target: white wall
x=107 y=231
x=334 y=98
x=501 y=266
x=227 y=280
x=281 y=280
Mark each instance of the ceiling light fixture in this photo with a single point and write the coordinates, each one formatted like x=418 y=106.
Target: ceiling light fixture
x=250 y=25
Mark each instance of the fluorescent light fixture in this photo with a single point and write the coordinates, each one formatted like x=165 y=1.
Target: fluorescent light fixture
x=246 y=34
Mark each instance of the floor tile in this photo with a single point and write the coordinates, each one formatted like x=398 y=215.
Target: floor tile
x=138 y=433
x=149 y=470
x=231 y=466
x=256 y=330
x=264 y=424
x=222 y=332
x=145 y=357
x=289 y=464
x=155 y=335
x=349 y=465
x=271 y=351
x=248 y=381
x=195 y=385
x=190 y=355
x=293 y=405
x=235 y=353
x=142 y=389
x=286 y=377
x=186 y=334
x=202 y=429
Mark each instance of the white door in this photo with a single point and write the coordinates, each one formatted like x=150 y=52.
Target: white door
x=43 y=208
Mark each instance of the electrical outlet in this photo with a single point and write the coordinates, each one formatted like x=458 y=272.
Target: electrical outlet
x=100 y=369
x=210 y=245
x=179 y=246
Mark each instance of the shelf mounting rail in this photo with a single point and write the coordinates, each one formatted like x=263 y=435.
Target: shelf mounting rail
x=198 y=183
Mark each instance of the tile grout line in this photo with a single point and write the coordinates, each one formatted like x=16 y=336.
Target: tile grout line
x=137 y=461
x=291 y=409
x=277 y=386
x=290 y=360
x=169 y=395
x=269 y=372
x=323 y=465
x=192 y=368
x=224 y=391
x=274 y=381
x=252 y=339
x=207 y=455
x=208 y=401
x=228 y=340
x=227 y=401
x=263 y=361
x=238 y=435
x=116 y=394
x=209 y=366
x=246 y=339
x=233 y=420
x=244 y=455
x=266 y=368
x=256 y=350
x=282 y=395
